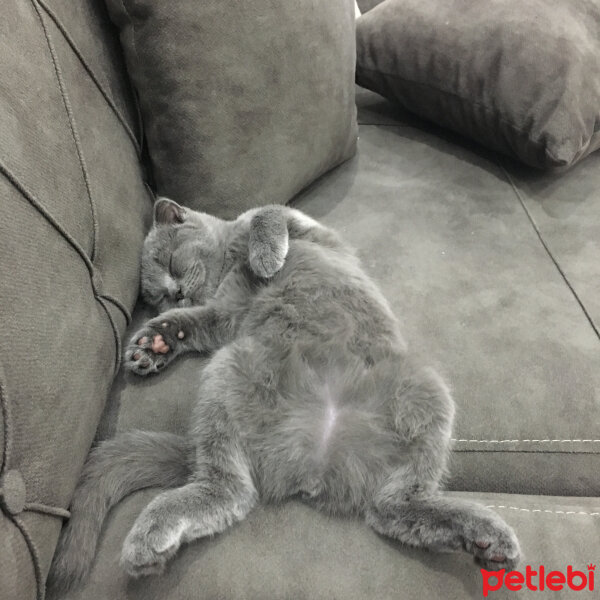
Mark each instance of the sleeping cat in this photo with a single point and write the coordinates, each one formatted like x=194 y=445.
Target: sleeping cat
x=309 y=393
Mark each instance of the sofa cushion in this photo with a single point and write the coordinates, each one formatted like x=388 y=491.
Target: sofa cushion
x=522 y=78
x=292 y=551
x=494 y=270
x=458 y=243
x=73 y=212
x=444 y=232
x=244 y=103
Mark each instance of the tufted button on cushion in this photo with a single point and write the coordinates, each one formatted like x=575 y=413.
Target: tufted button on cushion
x=12 y=492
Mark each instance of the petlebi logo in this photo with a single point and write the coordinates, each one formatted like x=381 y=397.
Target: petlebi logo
x=538 y=579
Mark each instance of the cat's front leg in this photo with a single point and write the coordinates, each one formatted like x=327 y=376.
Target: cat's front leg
x=268 y=242
x=272 y=228
x=174 y=332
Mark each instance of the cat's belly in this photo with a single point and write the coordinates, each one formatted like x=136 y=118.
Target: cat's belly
x=315 y=416
x=326 y=451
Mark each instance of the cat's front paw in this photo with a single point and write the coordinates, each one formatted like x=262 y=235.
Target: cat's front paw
x=266 y=259
x=154 y=346
x=269 y=242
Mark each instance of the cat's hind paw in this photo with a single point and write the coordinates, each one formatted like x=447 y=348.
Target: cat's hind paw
x=494 y=546
x=145 y=554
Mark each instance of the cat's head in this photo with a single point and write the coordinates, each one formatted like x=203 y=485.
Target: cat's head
x=182 y=257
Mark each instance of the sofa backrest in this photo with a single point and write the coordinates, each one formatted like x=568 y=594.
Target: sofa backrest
x=73 y=212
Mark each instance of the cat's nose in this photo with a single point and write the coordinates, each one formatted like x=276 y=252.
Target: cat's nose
x=179 y=295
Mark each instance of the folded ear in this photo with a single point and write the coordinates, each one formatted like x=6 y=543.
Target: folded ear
x=168 y=212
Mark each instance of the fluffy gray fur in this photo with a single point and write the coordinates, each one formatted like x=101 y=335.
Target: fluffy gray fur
x=309 y=393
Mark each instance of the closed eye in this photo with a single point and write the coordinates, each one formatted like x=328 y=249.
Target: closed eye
x=171 y=265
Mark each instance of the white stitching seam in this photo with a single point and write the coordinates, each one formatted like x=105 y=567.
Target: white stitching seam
x=540 y=510
x=527 y=441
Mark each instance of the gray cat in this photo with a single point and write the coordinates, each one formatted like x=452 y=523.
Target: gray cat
x=309 y=393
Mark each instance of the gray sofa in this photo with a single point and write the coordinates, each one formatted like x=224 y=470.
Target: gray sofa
x=493 y=268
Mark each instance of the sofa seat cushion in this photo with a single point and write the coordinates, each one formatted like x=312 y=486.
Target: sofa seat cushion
x=245 y=103
x=522 y=78
x=448 y=234
x=292 y=551
x=73 y=212
x=494 y=269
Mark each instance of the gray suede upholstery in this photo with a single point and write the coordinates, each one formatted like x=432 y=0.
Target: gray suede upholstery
x=244 y=103
x=73 y=212
x=520 y=77
x=493 y=268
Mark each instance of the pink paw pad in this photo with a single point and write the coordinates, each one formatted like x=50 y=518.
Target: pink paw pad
x=159 y=346
x=181 y=335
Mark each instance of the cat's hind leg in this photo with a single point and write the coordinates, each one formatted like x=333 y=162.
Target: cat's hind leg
x=442 y=523
x=408 y=505
x=219 y=492
x=215 y=499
